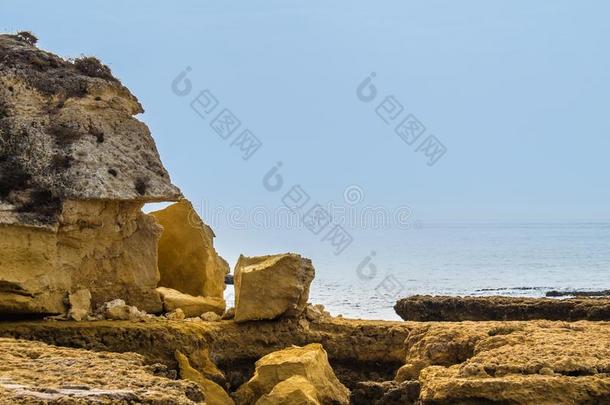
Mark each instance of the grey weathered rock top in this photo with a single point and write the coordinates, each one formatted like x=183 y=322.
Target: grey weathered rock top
x=68 y=131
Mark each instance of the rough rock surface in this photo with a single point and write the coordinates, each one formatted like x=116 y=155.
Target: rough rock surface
x=268 y=287
x=510 y=362
x=487 y=362
x=106 y=247
x=191 y=306
x=214 y=394
x=188 y=261
x=76 y=167
x=80 y=304
x=36 y=373
x=385 y=393
x=442 y=308
x=357 y=350
x=310 y=362
x=68 y=132
x=296 y=390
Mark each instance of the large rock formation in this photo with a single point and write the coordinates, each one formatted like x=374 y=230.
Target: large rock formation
x=309 y=362
x=442 y=308
x=35 y=373
x=188 y=261
x=268 y=287
x=76 y=167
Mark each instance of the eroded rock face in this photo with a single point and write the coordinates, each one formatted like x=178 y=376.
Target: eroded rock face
x=188 y=261
x=68 y=132
x=106 y=247
x=309 y=362
x=76 y=167
x=292 y=391
x=36 y=373
x=442 y=308
x=268 y=287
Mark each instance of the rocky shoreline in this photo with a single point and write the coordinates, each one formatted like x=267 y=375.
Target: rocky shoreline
x=101 y=303
x=497 y=308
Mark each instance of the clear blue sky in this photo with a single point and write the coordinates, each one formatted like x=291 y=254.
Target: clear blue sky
x=518 y=91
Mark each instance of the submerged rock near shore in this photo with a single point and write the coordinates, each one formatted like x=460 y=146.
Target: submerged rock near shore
x=442 y=308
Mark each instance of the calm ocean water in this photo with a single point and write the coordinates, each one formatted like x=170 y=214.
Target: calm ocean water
x=520 y=259
x=526 y=259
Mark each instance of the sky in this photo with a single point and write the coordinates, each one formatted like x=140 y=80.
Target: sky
x=516 y=92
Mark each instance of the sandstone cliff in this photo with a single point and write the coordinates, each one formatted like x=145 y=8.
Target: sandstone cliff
x=76 y=166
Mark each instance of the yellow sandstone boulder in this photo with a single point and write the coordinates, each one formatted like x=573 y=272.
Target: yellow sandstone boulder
x=191 y=306
x=214 y=393
x=187 y=259
x=293 y=391
x=309 y=362
x=268 y=287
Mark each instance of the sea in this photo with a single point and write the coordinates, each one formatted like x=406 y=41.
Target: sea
x=460 y=259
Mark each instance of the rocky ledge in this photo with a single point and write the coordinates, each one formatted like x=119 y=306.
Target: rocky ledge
x=380 y=363
x=441 y=308
x=36 y=373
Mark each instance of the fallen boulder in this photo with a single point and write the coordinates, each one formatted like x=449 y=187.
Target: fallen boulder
x=268 y=287
x=532 y=362
x=309 y=362
x=191 y=306
x=442 y=308
x=76 y=167
x=188 y=261
x=213 y=393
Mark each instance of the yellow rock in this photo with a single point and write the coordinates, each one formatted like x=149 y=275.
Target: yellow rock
x=444 y=385
x=516 y=362
x=268 y=287
x=214 y=394
x=106 y=247
x=293 y=391
x=309 y=362
x=200 y=359
x=191 y=306
x=187 y=259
